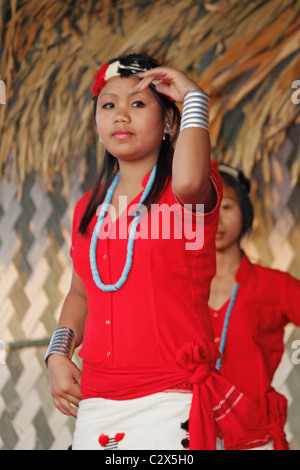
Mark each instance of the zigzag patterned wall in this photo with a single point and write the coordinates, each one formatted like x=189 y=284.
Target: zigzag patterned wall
x=35 y=272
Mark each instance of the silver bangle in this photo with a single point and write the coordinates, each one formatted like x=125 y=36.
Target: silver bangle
x=195 y=111
x=62 y=342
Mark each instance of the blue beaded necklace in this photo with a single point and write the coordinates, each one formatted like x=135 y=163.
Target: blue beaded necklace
x=225 y=326
x=131 y=238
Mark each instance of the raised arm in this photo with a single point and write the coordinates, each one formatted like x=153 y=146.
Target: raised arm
x=191 y=163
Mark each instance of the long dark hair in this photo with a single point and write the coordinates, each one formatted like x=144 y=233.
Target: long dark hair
x=110 y=163
x=242 y=186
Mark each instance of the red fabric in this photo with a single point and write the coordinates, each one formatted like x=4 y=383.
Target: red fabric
x=271 y=430
x=266 y=301
x=127 y=353
x=99 y=79
x=218 y=408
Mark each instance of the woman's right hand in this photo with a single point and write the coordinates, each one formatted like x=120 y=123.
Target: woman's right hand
x=65 y=384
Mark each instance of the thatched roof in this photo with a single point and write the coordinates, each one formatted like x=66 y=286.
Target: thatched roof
x=245 y=54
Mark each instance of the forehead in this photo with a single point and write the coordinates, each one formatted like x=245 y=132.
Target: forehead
x=123 y=86
x=229 y=192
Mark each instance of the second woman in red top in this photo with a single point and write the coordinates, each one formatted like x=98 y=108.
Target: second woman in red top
x=250 y=306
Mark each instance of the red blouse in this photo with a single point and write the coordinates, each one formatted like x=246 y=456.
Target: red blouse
x=266 y=301
x=136 y=331
x=156 y=332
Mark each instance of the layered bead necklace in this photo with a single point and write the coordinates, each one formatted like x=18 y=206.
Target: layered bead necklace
x=131 y=237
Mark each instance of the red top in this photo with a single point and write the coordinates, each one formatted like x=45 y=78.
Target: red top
x=163 y=304
x=156 y=330
x=266 y=301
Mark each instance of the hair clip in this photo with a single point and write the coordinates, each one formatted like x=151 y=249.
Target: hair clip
x=238 y=175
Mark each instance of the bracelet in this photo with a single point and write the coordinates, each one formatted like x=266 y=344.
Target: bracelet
x=62 y=342
x=195 y=110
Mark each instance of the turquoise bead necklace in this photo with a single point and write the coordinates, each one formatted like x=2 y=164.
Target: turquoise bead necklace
x=225 y=326
x=131 y=238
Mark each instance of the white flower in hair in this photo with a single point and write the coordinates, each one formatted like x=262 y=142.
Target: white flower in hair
x=114 y=69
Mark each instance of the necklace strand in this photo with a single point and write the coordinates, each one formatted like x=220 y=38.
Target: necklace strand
x=131 y=238
x=226 y=323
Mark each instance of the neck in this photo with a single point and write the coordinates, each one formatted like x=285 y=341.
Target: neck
x=132 y=173
x=229 y=259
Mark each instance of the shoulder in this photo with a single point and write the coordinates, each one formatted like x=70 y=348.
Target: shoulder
x=268 y=272
x=82 y=202
x=80 y=208
x=251 y=271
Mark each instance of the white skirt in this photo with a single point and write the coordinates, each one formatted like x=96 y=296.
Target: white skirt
x=154 y=422
x=269 y=446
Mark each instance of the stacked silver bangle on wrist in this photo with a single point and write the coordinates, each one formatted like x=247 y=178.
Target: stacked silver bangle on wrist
x=62 y=342
x=195 y=110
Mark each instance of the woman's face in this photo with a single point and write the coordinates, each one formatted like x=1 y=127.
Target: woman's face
x=129 y=122
x=231 y=220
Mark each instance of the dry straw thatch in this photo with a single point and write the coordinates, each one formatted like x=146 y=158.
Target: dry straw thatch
x=244 y=53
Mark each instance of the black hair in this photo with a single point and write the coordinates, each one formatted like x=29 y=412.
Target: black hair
x=242 y=186
x=110 y=163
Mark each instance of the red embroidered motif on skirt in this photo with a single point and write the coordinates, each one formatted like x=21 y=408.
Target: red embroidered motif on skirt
x=110 y=443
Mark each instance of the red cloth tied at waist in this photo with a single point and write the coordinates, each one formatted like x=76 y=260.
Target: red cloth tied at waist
x=272 y=430
x=218 y=409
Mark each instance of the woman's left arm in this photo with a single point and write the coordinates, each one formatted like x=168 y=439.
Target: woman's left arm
x=191 y=163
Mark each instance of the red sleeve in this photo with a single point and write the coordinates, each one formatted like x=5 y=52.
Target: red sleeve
x=77 y=216
x=290 y=298
x=217 y=182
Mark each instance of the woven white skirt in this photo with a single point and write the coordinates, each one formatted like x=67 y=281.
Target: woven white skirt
x=154 y=422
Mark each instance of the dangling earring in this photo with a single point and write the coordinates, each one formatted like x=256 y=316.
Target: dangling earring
x=100 y=139
x=167 y=129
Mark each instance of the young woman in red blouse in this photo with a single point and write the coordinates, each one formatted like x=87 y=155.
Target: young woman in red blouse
x=250 y=306
x=138 y=301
